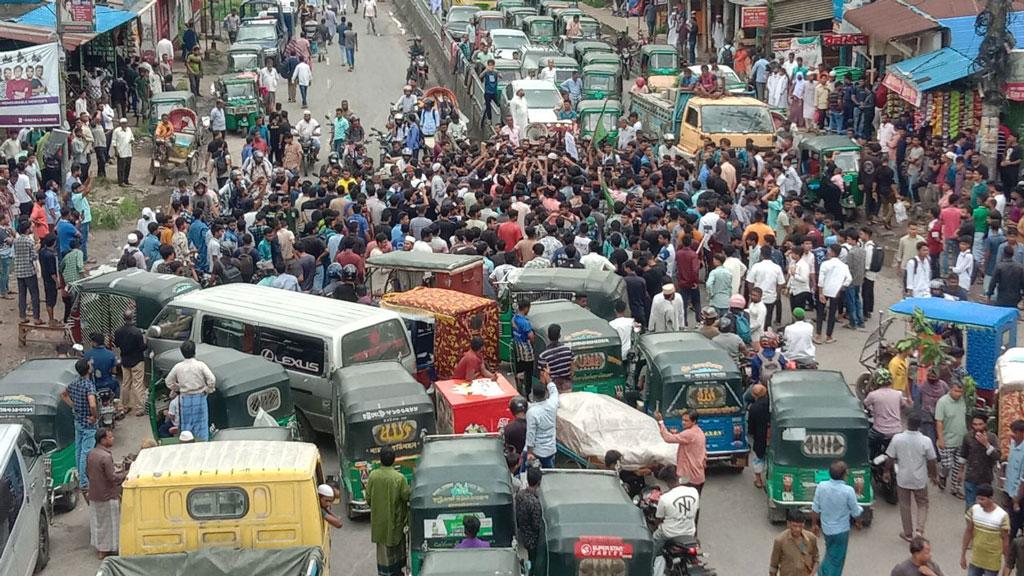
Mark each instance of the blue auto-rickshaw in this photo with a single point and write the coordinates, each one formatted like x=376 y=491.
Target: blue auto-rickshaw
x=987 y=331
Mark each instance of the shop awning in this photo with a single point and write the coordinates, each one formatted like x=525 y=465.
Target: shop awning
x=887 y=19
x=911 y=78
x=106 y=18
x=40 y=35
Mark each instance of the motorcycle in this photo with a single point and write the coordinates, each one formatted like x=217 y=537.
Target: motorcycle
x=107 y=407
x=883 y=479
x=682 y=558
x=383 y=146
x=418 y=67
x=309 y=155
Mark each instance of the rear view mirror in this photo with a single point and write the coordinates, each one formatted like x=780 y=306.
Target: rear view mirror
x=47 y=445
x=153 y=332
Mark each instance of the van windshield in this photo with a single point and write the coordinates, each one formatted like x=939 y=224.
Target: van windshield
x=384 y=341
x=736 y=120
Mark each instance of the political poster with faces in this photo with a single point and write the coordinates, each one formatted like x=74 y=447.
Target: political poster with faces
x=30 y=87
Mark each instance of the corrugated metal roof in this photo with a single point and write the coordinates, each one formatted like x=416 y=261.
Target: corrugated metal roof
x=887 y=19
x=963 y=38
x=934 y=69
x=954 y=8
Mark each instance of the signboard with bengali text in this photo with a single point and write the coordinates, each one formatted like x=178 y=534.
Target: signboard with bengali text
x=30 y=87
x=753 y=17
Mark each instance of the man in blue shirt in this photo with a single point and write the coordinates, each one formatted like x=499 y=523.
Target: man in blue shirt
x=835 y=503
x=574 y=86
x=66 y=231
x=197 y=233
x=759 y=72
x=80 y=395
x=1014 y=486
x=103 y=363
x=489 y=77
x=150 y=245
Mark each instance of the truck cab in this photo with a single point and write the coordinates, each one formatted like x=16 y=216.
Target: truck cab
x=735 y=118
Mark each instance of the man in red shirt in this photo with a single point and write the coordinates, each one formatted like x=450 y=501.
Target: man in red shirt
x=348 y=256
x=950 y=219
x=472 y=366
x=934 y=240
x=510 y=231
x=688 y=274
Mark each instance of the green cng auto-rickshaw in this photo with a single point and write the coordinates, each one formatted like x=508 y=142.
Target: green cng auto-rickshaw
x=592 y=113
x=103 y=299
x=681 y=371
x=164 y=102
x=815 y=419
x=244 y=386
x=580 y=49
x=590 y=526
x=515 y=15
x=31 y=395
x=816 y=152
x=244 y=58
x=600 y=58
x=376 y=405
x=596 y=348
x=242 y=103
x=471 y=562
x=601 y=81
x=539 y=29
x=456 y=476
x=659 y=60
x=596 y=290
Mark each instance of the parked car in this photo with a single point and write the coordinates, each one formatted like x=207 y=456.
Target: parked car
x=263 y=33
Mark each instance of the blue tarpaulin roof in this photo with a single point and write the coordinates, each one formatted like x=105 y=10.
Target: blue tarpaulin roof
x=934 y=69
x=106 y=18
x=957 y=312
x=964 y=39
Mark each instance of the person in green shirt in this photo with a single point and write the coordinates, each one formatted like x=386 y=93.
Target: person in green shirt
x=979 y=191
x=987 y=534
x=950 y=430
x=980 y=215
x=387 y=494
x=719 y=284
x=194 y=68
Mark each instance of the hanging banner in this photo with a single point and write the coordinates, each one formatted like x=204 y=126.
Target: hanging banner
x=903 y=88
x=30 y=89
x=808 y=48
x=77 y=15
x=753 y=17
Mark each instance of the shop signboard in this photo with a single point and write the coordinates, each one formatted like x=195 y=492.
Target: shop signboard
x=833 y=40
x=903 y=88
x=31 y=94
x=753 y=17
x=78 y=15
x=1015 y=81
x=808 y=48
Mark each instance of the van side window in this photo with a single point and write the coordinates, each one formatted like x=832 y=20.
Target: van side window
x=384 y=341
x=217 y=503
x=12 y=498
x=175 y=323
x=228 y=333
x=294 y=352
x=691 y=117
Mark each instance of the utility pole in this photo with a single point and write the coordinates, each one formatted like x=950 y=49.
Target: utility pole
x=993 y=64
x=62 y=57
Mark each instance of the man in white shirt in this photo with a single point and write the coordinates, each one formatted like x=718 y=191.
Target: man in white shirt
x=166 y=48
x=309 y=129
x=768 y=276
x=548 y=72
x=918 y=273
x=594 y=260
x=736 y=267
x=833 y=277
x=519 y=110
x=677 y=509
x=627 y=134
x=303 y=76
x=269 y=78
x=964 y=267
x=667 y=312
x=886 y=130
x=623 y=326
x=121 y=141
x=798 y=338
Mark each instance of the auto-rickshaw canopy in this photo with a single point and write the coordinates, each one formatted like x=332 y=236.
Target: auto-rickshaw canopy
x=104 y=298
x=247 y=433
x=423 y=261
x=243 y=58
x=380 y=404
x=826 y=143
x=539 y=28
x=244 y=385
x=584 y=46
x=814 y=399
x=580 y=327
x=659 y=58
x=687 y=357
x=220 y=561
x=449 y=464
x=589 y=505
x=471 y=562
x=31 y=394
x=601 y=288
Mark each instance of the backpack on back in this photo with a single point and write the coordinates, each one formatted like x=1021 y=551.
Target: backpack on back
x=127 y=259
x=877 y=259
x=769 y=366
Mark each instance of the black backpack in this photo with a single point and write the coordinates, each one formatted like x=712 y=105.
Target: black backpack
x=727 y=57
x=877 y=259
x=128 y=259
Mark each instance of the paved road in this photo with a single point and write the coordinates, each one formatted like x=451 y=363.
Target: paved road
x=734 y=526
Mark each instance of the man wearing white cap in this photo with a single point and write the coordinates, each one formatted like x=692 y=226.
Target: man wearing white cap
x=326 y=497
x=667 y=311
x=121 y=140
x=132 y=257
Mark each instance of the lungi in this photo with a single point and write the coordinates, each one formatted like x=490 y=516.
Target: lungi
x=390 y=559
x=195 y=416
x=104 y=524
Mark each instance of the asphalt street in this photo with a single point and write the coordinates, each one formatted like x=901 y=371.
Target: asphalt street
x=734 y=528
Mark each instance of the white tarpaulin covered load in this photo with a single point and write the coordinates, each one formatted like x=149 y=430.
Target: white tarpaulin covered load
x=591 y=424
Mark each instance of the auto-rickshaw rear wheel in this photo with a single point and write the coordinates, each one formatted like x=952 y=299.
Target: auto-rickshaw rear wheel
x=69 y=499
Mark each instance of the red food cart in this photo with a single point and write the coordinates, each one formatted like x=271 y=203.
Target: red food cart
x=465 y=407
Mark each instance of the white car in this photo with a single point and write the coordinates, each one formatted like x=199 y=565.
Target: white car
x=507 y=42
x=542 y=99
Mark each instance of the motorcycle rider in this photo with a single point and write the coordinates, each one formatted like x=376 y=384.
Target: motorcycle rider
x=407 y=101
x=884 y=403
x=677 y=511
x=257 y=166
x=730 y=341
x=347 y=289
x=798 y=340
x=430 y=119
x=308 y=131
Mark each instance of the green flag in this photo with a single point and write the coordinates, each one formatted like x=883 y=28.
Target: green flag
x=600 y=133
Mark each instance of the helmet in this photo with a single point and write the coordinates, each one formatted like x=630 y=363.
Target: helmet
x=333 y=159
x=709 y=313
x=334 y=270
x=769 y=340
x=725 y=324
x=937 y=284
x=349 y=273
x=737 y=301
x=882 y=377
x=517 y=405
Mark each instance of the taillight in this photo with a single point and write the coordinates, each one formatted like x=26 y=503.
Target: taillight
x=692 y=552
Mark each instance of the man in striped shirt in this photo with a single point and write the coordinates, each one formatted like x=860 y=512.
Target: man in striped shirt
x=557 y=358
